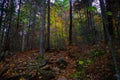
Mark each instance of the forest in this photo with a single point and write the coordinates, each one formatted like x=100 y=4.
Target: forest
x=59 y=39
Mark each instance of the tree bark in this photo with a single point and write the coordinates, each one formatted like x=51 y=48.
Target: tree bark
x=42 y=29
x=23 y=41
x=7 y=39
x=104 y=16
x=1 y=16
x=71 y=24
x=48 y=28
x=109 y=4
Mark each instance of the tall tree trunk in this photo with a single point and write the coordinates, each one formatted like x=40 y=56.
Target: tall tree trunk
x=33 y=28
x=109 y=4
x=104 y=16
x=48 y=28
x=7 y=39
x=18 y=17
x=23 y=40
x=42 y=29
x=3 y=36
x=17 y=26
x=1 y=16
x=71 y=24
x=29 y=33
x=104 y=24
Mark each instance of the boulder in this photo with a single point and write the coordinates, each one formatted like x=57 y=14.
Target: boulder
x=61 y=63
x=46 y=67
x=62 y=78
x=56 y=70
x=47 y=75
x=42 y=63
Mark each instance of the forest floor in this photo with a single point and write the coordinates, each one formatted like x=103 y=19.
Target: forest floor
x=74 y=63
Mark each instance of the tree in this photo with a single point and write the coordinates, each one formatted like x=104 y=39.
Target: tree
x=15 y=35
x=48 y=28
x=1 y=15
x=10 y=16
x=104 y=16
x=42 y=29
x=71 y=24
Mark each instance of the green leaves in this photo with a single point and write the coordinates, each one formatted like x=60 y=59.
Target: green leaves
x=109 y=13
x=89 y=61
x=25 y=20
x=91 y=8
x=80 y=62
x=40 y=58
x=77 y=74
x=98 y=53
x=64 y=4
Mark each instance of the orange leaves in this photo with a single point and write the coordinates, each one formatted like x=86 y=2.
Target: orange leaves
x=22 y=78
x=12 y=65
x=26 y=63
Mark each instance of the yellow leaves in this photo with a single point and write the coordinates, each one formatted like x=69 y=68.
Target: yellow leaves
x=12 y=65
x=58 y=24
x=79 y=38
x=97 y=19
x=12 y=72
x=22 y=78
x=1 y=64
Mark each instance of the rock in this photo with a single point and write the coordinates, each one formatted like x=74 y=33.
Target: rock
x=61 y=63
x=6 y=53
x=42 y=63
x=62 y=78
x=46 y=67
x=51 y=61
x=47 y=75
x=56 y=70
x=76 y=79
x=1 y=55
